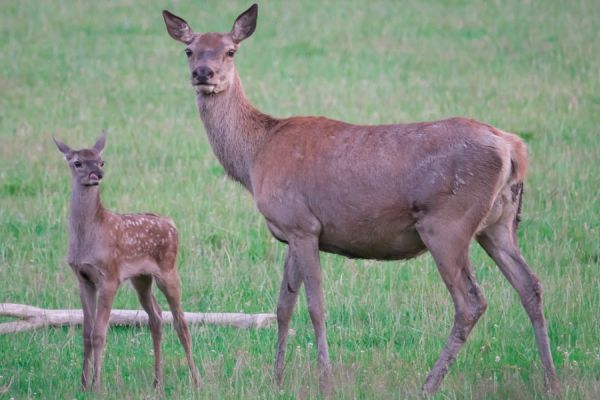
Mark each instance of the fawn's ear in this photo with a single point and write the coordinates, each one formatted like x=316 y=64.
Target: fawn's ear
x=245 y=24
x=66 y=150
x=178 y=28
x=99 y=146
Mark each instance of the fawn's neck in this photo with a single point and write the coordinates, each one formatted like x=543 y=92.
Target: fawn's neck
x=85 y=216
x=235 y=129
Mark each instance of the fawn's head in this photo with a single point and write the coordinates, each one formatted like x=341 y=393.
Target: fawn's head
x=210 y=55
x=86 y=164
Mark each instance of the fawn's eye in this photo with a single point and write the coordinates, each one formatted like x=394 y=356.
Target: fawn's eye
x=77 y=164
x=230 y=53
x=188 y=52
x=102 y=163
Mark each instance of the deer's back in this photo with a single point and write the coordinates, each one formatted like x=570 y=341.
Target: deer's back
x=145 y=235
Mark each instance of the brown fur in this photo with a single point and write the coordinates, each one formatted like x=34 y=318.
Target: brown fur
x=105 y=249
x=380 y=192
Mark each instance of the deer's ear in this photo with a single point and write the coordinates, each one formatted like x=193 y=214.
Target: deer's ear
x=99 y=146
x=178 y=28
x=63 y=148
x=245 y=24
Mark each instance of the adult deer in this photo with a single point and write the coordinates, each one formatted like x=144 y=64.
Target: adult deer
x=386 y=192
x=105 y=249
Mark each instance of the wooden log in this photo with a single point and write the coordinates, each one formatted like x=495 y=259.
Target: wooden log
x=30 y=317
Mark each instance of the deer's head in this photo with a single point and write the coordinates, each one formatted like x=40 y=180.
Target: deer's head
x=86 y=164
x=210 y=55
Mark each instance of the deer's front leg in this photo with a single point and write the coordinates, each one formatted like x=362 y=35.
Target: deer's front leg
x=87 y=294
x=288 y=295
x=305 y=253
x=106 y=296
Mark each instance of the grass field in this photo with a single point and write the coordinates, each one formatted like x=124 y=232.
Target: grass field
x=72 y=68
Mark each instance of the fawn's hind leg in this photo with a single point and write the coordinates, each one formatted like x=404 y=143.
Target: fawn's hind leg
x=143 y=286
x=170 y=285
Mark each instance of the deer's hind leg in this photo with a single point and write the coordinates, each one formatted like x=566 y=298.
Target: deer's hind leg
x=169 y=283
x=499 y=241
x=449 y=246
x=143 y=286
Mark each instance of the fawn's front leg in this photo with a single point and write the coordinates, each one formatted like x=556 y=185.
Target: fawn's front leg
x=87 y=294
x=106 y=296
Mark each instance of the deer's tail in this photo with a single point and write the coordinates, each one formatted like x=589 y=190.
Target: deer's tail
x=518 y=157
x=518 y=169
x=517 y=190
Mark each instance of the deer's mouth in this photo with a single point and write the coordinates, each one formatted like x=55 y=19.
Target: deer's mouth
x=206 y=88
x=93 y=179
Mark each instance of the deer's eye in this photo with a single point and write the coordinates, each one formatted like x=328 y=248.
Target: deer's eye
x=230 y=53
x=188 y=52
x=77 y=164
x=102 y=163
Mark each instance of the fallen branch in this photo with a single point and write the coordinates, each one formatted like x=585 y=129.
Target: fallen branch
x=33 y=318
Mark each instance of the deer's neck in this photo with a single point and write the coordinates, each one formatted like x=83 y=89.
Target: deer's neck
x=235 y=129
x=85 y=218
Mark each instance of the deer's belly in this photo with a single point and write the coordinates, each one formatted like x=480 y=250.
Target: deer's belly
x=374 y=245
x=366 y=244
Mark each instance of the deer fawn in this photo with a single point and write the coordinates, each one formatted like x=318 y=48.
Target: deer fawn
x=386 y=192
x=107 y=248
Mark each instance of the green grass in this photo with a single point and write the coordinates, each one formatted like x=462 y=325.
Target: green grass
x=73 y=68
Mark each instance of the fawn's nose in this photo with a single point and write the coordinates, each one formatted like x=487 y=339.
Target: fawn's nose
x=97 y=174
x=202 y=74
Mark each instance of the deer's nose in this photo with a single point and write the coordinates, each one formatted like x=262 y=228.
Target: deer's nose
x=98 y=174
x=202 y=74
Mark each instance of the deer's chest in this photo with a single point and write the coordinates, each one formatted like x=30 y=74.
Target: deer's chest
x=87 y=248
